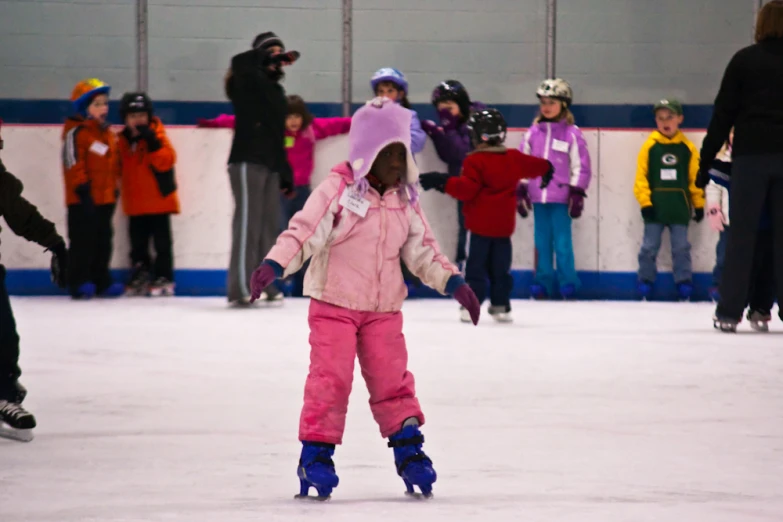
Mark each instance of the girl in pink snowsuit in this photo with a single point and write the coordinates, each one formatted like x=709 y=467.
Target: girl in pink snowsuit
x=356 y=226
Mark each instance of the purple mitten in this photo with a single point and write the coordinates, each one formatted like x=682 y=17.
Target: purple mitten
x=448 y=120
x=523 y=201
x=261 y=278
x=576 y=201
x=465 y=296
x=429 y=126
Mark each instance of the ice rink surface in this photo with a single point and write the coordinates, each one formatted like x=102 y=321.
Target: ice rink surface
x=184 y=410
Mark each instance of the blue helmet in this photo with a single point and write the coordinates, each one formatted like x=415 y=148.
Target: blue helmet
x=388 y=74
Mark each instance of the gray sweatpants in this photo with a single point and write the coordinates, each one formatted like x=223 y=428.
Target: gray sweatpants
x=255 y=226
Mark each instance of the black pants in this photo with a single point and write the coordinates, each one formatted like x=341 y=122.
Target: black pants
x=462 y=235
x=158 y=228
x=9 y=344
x=756 y=183
x=762 y=287
x=90 y=235
x=489 y=258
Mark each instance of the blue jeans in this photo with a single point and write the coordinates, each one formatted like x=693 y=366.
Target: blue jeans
x=552 y=234
x=289 y=207
x=720 y=257
x=681 y=252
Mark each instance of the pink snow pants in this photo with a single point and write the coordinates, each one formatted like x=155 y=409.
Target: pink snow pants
x=337 y=336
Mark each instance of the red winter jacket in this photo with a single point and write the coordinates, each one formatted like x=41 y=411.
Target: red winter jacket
x=487 y=186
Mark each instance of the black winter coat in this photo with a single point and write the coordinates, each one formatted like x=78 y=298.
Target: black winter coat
x=260 y=108
x=22 y=216
x=750 y=100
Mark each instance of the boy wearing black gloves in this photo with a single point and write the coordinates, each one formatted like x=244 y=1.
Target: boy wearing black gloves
x=487 y=187
x=149 y=195
x=25 y=221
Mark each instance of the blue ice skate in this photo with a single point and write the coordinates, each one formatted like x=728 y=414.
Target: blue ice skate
x=413 y=465
x=85 y=291
x=684 y=290
x=645 y=289
x=538 y=292
x=316 y=469
x=568 y=291
x=113 y=290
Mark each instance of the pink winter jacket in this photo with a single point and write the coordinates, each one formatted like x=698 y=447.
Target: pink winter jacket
x=356 y=261
x=301 y=146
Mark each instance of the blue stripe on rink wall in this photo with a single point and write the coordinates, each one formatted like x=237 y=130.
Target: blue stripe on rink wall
x=187 y=113
x=595 y=285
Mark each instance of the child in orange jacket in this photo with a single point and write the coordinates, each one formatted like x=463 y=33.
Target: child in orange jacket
x=149 y=195
x=91 y=170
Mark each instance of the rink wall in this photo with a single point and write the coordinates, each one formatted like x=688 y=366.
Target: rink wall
x=612 y=51
x=606 y=238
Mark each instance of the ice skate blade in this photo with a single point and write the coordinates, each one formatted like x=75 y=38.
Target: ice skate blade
x=418 y=496
x=502 y=318
x=9 y=433
x=760 y=326
x=159 y=292
x=312 y=498
x=724 y=327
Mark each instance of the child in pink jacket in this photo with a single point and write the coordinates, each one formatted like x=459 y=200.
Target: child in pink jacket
x=302 y=131
x=356 y=226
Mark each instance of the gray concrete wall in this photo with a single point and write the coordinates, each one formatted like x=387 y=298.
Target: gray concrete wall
x=612 y=51
x=621 y=51
x=192 y=41
x=497 y=48
x=47 y=46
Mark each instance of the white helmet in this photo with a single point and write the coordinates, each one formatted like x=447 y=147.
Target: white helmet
x=556 y=88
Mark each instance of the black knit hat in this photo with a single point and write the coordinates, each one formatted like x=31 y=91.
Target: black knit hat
x=266 y=40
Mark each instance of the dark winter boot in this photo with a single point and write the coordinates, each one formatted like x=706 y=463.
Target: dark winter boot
x=316 y=469
x=413 y=465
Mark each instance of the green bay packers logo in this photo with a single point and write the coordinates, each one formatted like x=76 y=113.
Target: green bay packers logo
x=669 y=159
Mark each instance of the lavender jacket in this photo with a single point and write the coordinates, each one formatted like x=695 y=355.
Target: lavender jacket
x=418 y=137
x=565 y=147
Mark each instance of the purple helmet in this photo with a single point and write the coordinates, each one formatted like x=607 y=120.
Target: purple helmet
x=388 y=74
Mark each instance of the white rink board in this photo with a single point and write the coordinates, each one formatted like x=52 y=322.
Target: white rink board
x=606 y=238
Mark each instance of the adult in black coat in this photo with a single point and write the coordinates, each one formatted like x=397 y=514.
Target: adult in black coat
x=258 y=165
x=25 y=221
x=750 y=100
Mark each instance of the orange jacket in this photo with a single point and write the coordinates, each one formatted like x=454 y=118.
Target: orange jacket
x=90 y=154
x=148 y=183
